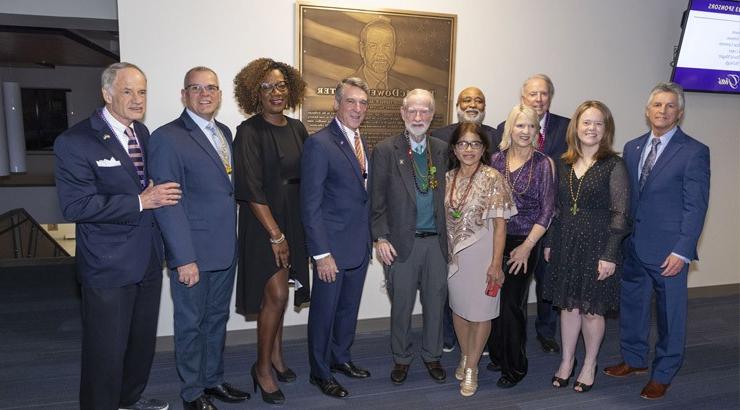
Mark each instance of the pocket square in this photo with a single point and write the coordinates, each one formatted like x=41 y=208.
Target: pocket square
x=107 y=163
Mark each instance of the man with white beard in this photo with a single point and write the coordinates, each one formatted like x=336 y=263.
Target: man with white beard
x=471 y=107
x=407 y=187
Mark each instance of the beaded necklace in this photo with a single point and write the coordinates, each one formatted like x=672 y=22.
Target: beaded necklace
x=574 y=197
x=456 y=210
x=423 y=182
x=507 y=173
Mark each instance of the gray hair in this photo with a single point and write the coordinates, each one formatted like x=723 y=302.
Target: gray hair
x=673 y=88
x=110 y=73
x=418 y=92
x=196 y=69
x=543 y=77
x=346 y=82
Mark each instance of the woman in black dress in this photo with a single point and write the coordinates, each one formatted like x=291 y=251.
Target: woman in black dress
x=583 y=244
x=267 y=153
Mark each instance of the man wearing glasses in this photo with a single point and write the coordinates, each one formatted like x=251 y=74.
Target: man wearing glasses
x=199 y=236
x=408 y=226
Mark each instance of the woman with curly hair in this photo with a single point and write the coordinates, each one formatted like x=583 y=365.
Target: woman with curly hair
x=267 y=159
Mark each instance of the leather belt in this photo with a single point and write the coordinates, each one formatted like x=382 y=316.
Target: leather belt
x=292 y=181
x=425 y=234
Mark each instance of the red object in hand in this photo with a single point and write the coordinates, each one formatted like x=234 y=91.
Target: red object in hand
x=492 y=289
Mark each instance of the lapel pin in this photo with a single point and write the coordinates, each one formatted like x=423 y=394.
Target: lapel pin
x=400 y=161
x=105 y=137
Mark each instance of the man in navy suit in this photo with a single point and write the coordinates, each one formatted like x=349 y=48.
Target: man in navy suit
x=669 y=181
x=199 y=237
x=335 y=209
x=101 y=182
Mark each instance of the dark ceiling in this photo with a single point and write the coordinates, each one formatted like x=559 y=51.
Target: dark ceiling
x=50 y=47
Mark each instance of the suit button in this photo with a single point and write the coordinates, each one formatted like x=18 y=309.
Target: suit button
x=231 y=194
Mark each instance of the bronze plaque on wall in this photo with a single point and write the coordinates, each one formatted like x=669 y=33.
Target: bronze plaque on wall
x=393 y=50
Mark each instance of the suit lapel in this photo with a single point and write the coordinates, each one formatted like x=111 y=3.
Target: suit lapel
x=404 y=164
x=349 y=152
x=667 y=155
x=439 y=160
x=108 y=138
x=200 y=138
x=634 y=160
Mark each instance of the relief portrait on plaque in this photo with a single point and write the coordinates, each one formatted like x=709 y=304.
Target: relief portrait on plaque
x=394 y=51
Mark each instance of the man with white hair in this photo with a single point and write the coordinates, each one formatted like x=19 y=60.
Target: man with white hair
x=407 y=184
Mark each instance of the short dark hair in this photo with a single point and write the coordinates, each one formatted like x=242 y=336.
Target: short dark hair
x=462 y=129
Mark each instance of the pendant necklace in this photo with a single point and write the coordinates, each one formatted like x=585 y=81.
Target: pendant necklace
x=456 y=210
x=574 y=197
x=507 y=173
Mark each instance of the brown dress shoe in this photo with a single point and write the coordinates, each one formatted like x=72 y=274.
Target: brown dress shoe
x=399 y=373
x=436 y=371
x=623 y=369
x=654 y=390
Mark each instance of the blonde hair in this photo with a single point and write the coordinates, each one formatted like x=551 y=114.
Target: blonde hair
x=528 y=113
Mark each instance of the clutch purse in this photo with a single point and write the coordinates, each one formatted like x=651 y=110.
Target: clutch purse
x=492 y=289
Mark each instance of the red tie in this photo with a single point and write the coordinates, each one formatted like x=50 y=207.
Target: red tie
x=540 y=141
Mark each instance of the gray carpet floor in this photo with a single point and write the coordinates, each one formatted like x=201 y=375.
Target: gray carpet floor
x=40 y=342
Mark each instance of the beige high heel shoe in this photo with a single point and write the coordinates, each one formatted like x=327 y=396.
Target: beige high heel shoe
x=460 y=371
x=469 y=385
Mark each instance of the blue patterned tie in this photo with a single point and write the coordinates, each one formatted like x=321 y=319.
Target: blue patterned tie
x=137 y=156
x=649 y=162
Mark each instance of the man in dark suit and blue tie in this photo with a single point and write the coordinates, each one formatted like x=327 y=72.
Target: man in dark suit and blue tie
x=101 y=175
x=335 y=209
x=669 y=179
x=199 y=237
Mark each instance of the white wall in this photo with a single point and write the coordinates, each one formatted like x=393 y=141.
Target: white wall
x=613 y=51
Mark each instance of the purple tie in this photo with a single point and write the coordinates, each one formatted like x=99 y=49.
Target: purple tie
x=134 y=151
x=649 y=162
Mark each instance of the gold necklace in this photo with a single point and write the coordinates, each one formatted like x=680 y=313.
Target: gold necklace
x=521 y=168
x=456 y=210
x=574 y=197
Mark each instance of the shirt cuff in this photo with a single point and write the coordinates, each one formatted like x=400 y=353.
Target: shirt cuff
x=141 y=206
x=321 y=256
x=685 y=259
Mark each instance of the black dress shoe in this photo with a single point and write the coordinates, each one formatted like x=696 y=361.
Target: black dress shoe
x=288 y=376
x=350 y=370
x=549 y=345
x=330 y=387
x=505 y=383
x=201 y=403
x=399 y=373
x=226 y=392
x=275 y=397
x=436 y=371
x=493 y=367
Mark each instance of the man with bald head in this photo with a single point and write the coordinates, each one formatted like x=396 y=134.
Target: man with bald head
x=471 y=107
x=407 y=185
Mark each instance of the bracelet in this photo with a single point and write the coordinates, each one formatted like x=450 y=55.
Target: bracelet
x=281 y=239
x=530 y=241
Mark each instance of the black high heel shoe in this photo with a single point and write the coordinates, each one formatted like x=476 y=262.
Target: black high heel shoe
x=585 y=387
x=564 y=382
x=276 y=397
x=288 y=376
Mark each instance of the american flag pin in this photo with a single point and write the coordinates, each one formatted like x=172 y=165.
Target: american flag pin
x=106 y=136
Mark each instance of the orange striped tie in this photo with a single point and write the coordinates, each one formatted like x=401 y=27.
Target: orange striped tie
x=358 y=152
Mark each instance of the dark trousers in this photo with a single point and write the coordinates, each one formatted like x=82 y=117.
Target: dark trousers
x=508 y=340
x=547 y=316
x=332 y=319
x=119 y=328
x=448 y=329
x=201 y=313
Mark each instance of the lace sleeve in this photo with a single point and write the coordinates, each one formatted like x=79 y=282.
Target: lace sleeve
x=499 y=203
x=619 y=225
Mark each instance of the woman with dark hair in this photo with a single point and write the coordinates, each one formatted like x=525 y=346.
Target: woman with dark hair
x=477 y=204
x=529 y=175
x=583 y=245
x=267 y=159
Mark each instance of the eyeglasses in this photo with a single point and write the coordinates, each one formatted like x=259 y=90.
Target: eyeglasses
x=198 y=88
x=281 y=86
x=474 y=145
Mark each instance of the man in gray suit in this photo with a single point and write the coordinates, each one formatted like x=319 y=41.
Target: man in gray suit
x=408 y=227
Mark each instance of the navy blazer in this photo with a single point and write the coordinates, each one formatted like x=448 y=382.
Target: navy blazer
x=98 y=190
x=557 y=128
x=669 y=213
x=335 y=205
x=202 y=226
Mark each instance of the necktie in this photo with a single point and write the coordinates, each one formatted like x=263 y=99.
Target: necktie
x=359 y=153
x=540 y=141
x=649 y=162
x=137 y=156
x=221 y=148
